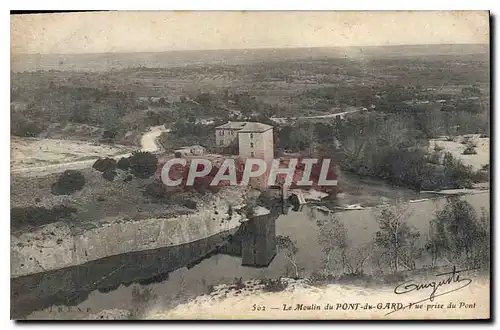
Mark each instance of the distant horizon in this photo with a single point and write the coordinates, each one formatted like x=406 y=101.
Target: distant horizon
x=259 y=48
x=164 y=31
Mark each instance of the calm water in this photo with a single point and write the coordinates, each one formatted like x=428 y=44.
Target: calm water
x=176 y=274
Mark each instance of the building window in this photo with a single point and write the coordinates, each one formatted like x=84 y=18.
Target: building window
x=251 y=154
x=221 y=133
x=251 y=135
x=221 y=143
x=251 y=145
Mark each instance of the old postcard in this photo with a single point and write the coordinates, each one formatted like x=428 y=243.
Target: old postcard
x=250 y=165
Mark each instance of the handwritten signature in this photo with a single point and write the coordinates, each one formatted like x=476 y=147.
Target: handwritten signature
x=453 y=277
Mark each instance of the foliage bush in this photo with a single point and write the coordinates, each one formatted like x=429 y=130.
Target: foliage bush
x=481 y=176
x=238 y=283
x=109 y=175
x=104 y=164
x=438 y=148
x=396 y=238
x=123 y=164
x=109 y=135
x=274 y=285
x=456 y=174
x=143 y=164
x=469 y=150
x=190 y=204
x=37 y=216
x=156 y=190
x=456 y=235
x=435 y=158
x=25 y=128
x=68 y=182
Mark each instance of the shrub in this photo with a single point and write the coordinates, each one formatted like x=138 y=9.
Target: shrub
x=155 y=190
x=190 y=204
x=320 y=279
x=143 y=164
x=438 y=148
x=466 y=140
x=69 y=182
x=393 y=278
x=128 y=178
x=36 y=216
x=104 y=164
x=481 y=176
x=435 y=158
x=25 y=129
x=470 y=150
x=123 y=164
x=238 y=283
x=109 y=175
x=458 y=235
x=274 y=285
x=456 y=174
x=109 y=135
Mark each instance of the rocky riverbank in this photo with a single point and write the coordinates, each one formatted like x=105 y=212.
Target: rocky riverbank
x=298 y=300
x=60 y=245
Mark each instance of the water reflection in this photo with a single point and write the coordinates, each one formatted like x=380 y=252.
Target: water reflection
x=254 y=242
x=248 y=252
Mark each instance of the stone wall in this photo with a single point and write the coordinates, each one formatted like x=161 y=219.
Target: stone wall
x=60 y=245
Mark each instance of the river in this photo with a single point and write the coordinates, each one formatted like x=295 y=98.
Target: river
x=176 y=274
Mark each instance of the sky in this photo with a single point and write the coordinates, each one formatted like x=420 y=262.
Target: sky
x=166 y=31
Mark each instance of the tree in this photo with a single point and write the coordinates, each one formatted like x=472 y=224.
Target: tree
x=68 y=182
x=24 y=127
x=123 y=164
x=104 y=164
x=109 y=135
x=287 y=246
x=109 y=175
x=436 y=243
x=143 y=164
x=334 y=243
x=396 y=238
x=458 y=235
x=345 y=259
x=156 y=190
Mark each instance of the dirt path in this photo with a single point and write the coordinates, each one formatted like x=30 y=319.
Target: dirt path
x=148 y=140
x=330 y=115
x=148 y=143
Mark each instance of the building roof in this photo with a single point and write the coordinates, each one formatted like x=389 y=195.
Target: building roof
x=255 y=127
x=232 y=125
x=245 y=126
x=190 y=147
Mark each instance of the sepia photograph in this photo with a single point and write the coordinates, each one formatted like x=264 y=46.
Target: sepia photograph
x=250 y=165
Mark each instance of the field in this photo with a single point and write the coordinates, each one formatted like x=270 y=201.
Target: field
x=31 y=152
x=72 y=108
x=279 y=83
x=457 y=147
